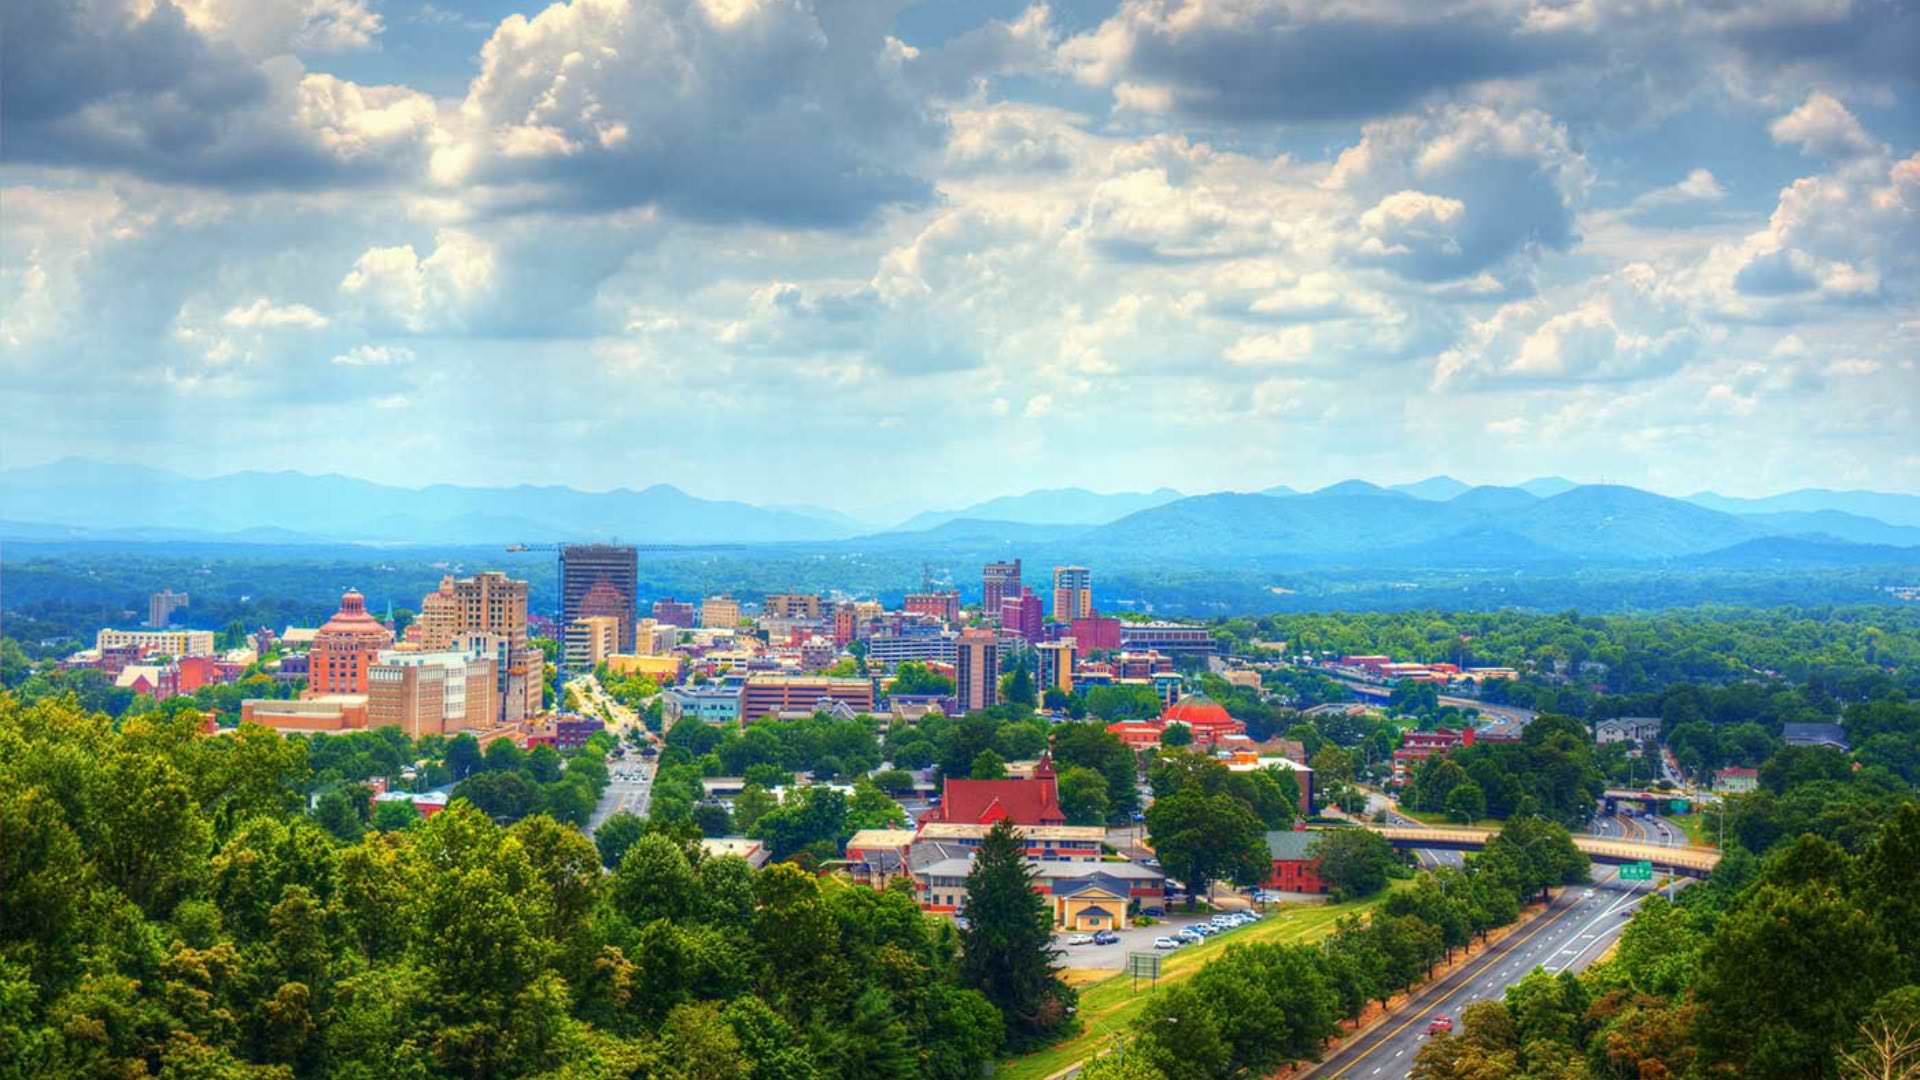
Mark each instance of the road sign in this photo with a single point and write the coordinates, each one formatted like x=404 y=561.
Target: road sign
x=1677 y=806
x=1637 y=871
x=1143 y=965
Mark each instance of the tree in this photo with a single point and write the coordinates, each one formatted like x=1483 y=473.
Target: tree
x=750 y=806
x=336 y=813
x=1466 y=803
x=871 y=808
x=505 y=795
x=615 y=835
x=395 y=815
x=1201 y=838
x=464 y=756
x=1353 y=861
x=915 y=677
x=1177 y=735
x=988 y=765
x=1007 y=950
x=1083 y=796
x=712 y=818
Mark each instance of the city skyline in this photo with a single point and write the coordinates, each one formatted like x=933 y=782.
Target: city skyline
x=1673 y=248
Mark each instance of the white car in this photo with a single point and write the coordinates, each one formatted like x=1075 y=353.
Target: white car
x=1588 y=895
x=1165 y=943
x=1080 y=939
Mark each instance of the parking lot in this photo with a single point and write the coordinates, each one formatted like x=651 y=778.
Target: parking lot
x=1133 y=939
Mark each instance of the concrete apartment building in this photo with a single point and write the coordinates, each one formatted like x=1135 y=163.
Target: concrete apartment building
x=436 y=693
x=976 y=665
x=998 y=580
x=770 y=695
x=791 y=606
x=162 y=605
x=599 y=579
x=167 y=642
x=1072 y=593
x=591 y=640
x=718 y=612
x=651 y=637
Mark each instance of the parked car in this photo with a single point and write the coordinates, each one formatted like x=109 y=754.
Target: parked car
x=1106 y=937
x=1190 y=934
x=1156 y=912
x=1080 y=939
x=1165 y=943
x=1440 y=1025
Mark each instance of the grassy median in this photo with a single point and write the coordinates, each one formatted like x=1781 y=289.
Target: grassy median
x=1108 y=1006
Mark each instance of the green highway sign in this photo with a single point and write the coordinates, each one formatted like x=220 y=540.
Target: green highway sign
x=1677 y=806
x=1143 y=965
x=1637 y=871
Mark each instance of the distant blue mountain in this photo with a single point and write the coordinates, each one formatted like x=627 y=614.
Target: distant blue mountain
x=1890 y=507
x=1490 y=497
x=1353 y=487
x=1435 y=488
x=1053 y=506
x=1547 y=487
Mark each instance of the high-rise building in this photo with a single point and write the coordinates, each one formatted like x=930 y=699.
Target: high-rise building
x=162 y=605
x=431 y=693
x=616 y=567
x=717 y=612
x=1072 y=593
x=845 y=619
x=674 y=613
x=346 y=648
x=791 y=606
x=486 y=616
x=1096 y=633
x=998 y=580
x=1024 y=614
x=590 y=640
x=976 y=663
x=944 y=606
x=1055 y=666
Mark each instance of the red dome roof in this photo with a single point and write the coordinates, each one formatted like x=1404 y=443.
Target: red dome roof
x=1197 y=712
x=352 y=618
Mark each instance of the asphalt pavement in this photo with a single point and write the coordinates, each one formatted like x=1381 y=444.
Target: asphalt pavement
x=1573 y=932
x=1133 y=939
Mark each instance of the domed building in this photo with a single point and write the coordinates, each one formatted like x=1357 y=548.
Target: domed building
x=1205 y=717
x=345 y=648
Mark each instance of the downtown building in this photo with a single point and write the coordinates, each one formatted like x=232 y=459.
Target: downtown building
x=165 y=642
x=431 y=693
x=1072 y=593
x=998 y=580
x=778 y=695
x=1024 y=615
x=976 y=667
x=600 y=579
x=486 y=616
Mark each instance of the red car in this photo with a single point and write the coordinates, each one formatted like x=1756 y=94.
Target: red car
x=1440 y=1025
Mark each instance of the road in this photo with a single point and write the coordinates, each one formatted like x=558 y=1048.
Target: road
x=631 y=786
x=1647 y=830
x=1574 y=931
x=1426 y=858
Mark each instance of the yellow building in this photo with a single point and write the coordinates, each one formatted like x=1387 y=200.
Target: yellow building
x=1055 y=665
x=791 y=606
x=590 y=640
x=661 y=669
x=175 y=643
x=718 y=611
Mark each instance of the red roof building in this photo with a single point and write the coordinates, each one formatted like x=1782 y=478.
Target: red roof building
x=983 y=802
x=345 y=648
x=1138 y=734
x=1207 y=719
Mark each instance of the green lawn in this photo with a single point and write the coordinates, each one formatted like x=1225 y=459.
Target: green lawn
x=1109 y=1006
x=1696 y=827
x=1441 y=820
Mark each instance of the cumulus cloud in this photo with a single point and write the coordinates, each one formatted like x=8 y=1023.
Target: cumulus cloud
x=264 y=314
x=394 y=286
x=1301 y=61
x=1823 y=127
x=1459 y=190
x=1630 y=327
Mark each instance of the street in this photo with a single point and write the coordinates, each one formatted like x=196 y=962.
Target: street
x=1426 y=858
x=631 y=786
x=1574 y=931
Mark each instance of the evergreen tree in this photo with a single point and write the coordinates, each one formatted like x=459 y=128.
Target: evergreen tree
x=1007 y=948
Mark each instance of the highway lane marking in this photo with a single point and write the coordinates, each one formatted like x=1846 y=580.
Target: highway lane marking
x=1383 y=1039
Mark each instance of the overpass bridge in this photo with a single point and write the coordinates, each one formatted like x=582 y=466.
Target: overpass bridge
x=1653 y=802
x=1683 y=860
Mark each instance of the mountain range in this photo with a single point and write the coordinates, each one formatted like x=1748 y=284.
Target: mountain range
x=1436 y=521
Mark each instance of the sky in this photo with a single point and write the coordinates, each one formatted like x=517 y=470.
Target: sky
x=888 y=256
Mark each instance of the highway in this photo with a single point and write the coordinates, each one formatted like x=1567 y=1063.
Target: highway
x=1573 y=932
x=1428 y=859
